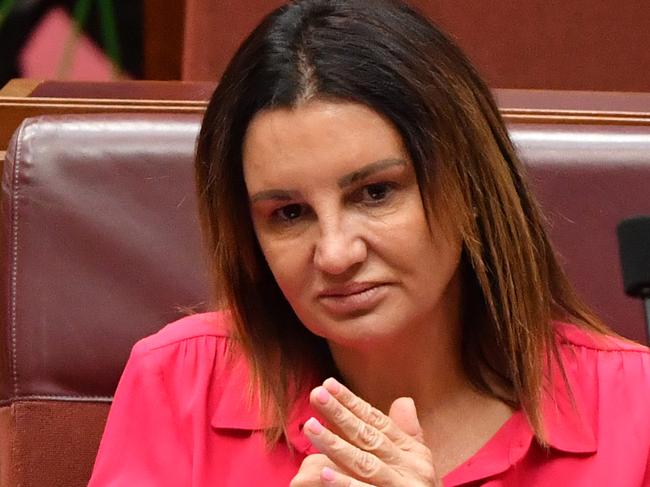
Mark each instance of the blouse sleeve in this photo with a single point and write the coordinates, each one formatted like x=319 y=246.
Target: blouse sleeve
x=142 y=443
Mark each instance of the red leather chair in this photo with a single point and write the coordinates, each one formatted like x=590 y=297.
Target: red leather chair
x=587 y=179
x=102 y=247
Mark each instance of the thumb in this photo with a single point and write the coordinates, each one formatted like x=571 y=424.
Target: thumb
x=405 y=416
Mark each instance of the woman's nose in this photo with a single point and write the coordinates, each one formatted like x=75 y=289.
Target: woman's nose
x=339 y=248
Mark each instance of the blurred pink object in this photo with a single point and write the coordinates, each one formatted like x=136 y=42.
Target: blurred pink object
x=43 y=54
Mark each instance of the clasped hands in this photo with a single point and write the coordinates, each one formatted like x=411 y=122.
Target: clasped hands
x=364 y=447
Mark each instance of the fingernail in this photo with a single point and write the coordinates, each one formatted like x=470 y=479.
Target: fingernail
x=328 y=475
x=314 y=426
x=322 y=395
x=332 y=385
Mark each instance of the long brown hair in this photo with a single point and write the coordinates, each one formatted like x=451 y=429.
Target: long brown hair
x=386 y=56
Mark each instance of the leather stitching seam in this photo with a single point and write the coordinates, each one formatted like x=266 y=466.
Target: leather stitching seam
x=14 y=257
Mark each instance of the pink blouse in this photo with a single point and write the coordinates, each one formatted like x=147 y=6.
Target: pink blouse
x=181 y=418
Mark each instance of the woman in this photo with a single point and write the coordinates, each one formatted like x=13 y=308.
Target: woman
x=396 y=315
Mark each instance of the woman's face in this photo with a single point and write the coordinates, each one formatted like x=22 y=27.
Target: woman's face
x=337 y=211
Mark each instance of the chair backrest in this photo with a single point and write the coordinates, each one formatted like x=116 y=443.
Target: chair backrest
x=588 y=178
x=102 y=247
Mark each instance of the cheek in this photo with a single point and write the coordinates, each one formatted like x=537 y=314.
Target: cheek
x=287 y=263
x=405 y=237
x=438 y=271
x=428 y=258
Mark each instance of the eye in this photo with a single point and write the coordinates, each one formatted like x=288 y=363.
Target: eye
x=289 y=212
x=374 y=193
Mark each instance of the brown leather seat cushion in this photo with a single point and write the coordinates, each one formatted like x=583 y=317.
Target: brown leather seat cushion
x=49 y=443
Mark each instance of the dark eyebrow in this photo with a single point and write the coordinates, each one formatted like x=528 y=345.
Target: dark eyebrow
x=273 y=194
x=369 y=170
x=345 y=181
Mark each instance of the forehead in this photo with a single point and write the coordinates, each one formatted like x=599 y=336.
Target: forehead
x=317 y=137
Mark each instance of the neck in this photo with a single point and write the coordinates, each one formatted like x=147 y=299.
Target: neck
x=423 y=362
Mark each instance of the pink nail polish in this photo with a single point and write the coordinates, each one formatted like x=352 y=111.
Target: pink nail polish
x=314 y=426
x=328 y=475
x=322 y=395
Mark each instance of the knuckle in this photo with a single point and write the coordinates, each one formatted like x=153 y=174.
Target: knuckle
x=364 y=409
x=427 y=471
x=407 y=444
x=338 y=415
x=298 y=481
x=309 y=470
x=430 y=476
x=332 y=446
x=315 y=459
x=368 y=437
x=347 y=397
x=378 y=419
x=332 y=441
x=365 y=464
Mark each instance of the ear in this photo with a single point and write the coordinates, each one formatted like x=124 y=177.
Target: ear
x=405 y=416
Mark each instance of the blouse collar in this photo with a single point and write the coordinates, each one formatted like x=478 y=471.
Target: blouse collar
x=570 y=417
x=238 y=409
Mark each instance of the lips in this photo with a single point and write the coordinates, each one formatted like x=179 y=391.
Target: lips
x=348 y=289
x=353 y=298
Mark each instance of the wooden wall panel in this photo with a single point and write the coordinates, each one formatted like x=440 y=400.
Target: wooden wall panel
x=571 y=45
x=163 y=38
x=574 y=45
x=213 y=31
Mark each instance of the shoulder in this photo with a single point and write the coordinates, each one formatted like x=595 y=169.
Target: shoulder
x=192 y=364
x=571 y=336
x=164 y=402
x=215 y=325
x=605 y=408
x=590 y=354
x=189 y=356
x=609 y=372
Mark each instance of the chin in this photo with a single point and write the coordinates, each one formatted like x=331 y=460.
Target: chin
x=362 y=332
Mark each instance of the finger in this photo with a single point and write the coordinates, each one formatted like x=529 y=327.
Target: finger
x=355 y=461
x=316 y=462
x=332 y=478
x=352 y=428
x=405 y=417
x=370 y=414
x=310 y=470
